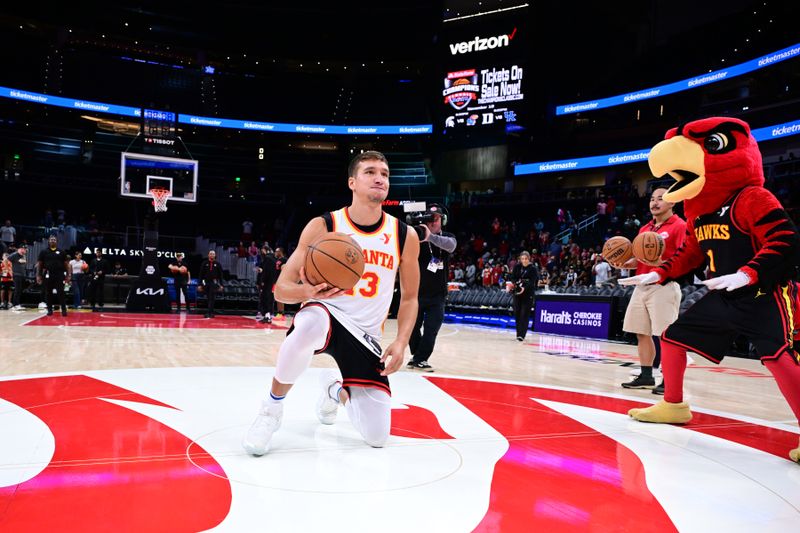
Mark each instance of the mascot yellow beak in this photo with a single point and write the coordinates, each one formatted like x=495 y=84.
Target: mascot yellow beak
x=683 y=160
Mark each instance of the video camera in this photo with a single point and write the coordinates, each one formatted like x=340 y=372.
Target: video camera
x=419 y=213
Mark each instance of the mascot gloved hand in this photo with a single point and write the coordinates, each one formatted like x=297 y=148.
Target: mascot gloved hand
x=739 y=232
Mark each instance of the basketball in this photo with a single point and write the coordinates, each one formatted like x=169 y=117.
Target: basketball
x=617 y=250
x=85 y=266
x=184 y=270
x=335 y=259
x=648 y=247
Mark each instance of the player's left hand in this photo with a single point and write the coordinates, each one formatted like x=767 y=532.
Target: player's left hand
x=730 y=282
x=394 y=353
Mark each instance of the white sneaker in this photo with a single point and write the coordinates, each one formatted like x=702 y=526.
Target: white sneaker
x=327 y=407
x=17 y=308
x=256 y=442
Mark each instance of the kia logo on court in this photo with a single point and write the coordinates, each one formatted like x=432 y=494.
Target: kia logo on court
x=149 y=291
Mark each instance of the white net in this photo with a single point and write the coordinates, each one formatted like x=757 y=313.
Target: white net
x=160 y=197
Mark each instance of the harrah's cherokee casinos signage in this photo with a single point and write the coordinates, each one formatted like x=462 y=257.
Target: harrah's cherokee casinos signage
x=579 y=319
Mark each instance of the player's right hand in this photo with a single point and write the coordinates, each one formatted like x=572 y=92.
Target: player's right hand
x=318 y=292
x=641 y=279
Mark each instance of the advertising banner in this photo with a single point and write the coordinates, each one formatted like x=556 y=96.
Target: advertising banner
x=578 y=319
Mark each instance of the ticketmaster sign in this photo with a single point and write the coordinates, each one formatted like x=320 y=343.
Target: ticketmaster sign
x=578 y=319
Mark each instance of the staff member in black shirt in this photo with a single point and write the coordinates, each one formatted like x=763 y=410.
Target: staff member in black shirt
x=181 y=278
x=435 y=248
x=210 y=280
x=118 y=274
x=97 y=279
x=53 y=270
x=267 y=274
x=523 y=282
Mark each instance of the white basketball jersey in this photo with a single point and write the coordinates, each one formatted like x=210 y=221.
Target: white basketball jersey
x=364 y=308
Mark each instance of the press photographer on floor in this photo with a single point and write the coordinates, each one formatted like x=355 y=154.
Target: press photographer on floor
x=434 y=255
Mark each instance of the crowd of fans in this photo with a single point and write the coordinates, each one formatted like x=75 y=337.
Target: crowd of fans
x=487 y=255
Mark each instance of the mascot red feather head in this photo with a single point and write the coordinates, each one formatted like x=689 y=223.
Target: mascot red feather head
x=711 y=159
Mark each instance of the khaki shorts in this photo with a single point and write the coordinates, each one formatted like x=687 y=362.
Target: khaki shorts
x=652 y=308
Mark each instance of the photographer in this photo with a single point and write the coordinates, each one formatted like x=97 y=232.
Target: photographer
x=524 y=280
x=434 y=254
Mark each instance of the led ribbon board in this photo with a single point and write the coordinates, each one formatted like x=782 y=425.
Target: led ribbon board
x=683 y=85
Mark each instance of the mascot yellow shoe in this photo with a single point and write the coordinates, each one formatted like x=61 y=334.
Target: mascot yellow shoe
x=794 y=455
x=667 y=413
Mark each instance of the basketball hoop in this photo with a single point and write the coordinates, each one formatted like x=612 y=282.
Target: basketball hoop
x=160 y=197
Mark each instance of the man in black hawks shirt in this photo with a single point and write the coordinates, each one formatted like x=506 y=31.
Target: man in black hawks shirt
x=53 y=272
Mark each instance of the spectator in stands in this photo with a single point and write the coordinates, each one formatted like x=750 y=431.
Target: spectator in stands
x=469 y=274
x=8 y=234
x=434 y=257
x=602 y=271
x=247 y=230
x=523 y=282
x=181 y=278
x=210 y=280
x=602 y=213
x=267 y=275
x=654 y=307
x=486 y=276
x=97 y=282
x=544 y=279
x=252 y=252
x=280 y=260
x=241 y=250
x=6 y=281
x=53 y=272
x=77 y=267
x=458 y=274
x=571 y=278
x=18 y=263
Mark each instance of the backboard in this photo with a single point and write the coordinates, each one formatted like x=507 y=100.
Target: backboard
x=141 y=172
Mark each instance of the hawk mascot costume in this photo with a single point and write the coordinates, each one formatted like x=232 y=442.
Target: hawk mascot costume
x=749 y=247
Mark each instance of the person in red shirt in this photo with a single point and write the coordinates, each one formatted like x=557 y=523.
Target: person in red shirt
x=655 y=307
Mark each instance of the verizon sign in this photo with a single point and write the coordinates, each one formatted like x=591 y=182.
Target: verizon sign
x=480 y=44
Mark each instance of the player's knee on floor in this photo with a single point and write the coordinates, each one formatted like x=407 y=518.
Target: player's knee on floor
x=370 y=412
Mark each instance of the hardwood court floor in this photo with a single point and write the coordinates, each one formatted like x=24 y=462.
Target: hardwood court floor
x=99 y=341
x=123 y=422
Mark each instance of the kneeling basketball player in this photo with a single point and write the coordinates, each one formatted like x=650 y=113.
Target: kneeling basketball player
x=348 y=325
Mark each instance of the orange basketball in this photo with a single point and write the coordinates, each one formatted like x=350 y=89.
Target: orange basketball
x=648 y=247
x=85 y=266
x=617 y=250
x=335 y=259
x=184 y=270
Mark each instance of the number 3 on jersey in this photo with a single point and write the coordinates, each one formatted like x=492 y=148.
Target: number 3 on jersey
x=372 y=286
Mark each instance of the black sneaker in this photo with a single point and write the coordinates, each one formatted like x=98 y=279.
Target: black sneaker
x=520 y=339
x=659 y=390
x=640 y=383
x=424 y=366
